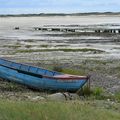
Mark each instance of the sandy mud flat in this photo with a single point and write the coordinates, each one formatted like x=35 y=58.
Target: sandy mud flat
x=91 y=53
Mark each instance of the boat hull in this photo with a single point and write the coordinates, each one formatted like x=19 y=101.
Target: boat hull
x=40 y=82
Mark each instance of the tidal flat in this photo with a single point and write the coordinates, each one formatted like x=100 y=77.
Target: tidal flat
x=86 y=53
x=78 y=53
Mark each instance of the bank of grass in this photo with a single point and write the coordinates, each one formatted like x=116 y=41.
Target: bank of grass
x=29 y=40
x=24 y=110
x=12 y=46
x=74 y=72
x=117 y=96
x=62 y=49
x=57 y=67
x=45 y=46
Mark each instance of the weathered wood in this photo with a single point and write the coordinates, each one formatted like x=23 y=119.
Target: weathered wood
x=71 y=30
x=118 y=31
x=55 y=29
x=115 y=31
x=16 y=28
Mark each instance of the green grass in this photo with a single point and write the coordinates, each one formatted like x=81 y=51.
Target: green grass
x=62 y=45
x=74 y=72
x=12 y=46
x=64 y=50
x=11 y=110
x=117 y=96
x=44 y=46
x=30 y=40
x=28 y=46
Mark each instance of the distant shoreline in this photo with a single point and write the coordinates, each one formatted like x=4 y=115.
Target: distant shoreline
x=59 y=14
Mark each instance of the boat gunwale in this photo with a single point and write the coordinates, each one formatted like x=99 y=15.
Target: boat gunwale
x=74 y=77
x=30 y=66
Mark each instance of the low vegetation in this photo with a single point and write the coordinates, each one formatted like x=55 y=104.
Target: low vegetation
x=74 y=72
x=117 y=96
x=45 y=46
x=59 y=68
x=61 y=14
x=95 y=103
x=12 y=46
x=62 y=49
x=76 y=110
x=28 y=46
x=30 y=40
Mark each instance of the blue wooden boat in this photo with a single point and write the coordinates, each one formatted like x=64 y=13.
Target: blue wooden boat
x=40 y=78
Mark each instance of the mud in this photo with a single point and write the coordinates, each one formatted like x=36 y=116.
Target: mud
x=13 y=42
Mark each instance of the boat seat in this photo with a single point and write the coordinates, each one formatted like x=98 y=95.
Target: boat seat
x=68 y=76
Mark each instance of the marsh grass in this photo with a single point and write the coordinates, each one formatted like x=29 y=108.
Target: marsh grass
x=64 y=50
x=57 y=67
x=29 y=40
x=117 y=96
x=28 y=46
x=12 y=46
x=24 y=110
x=45 y=46
x=98 y=93
x=74 y=72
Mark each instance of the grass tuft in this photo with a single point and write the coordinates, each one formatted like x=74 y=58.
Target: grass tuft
x=10 y=110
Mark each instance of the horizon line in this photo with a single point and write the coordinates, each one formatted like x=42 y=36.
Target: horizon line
x=59 y=13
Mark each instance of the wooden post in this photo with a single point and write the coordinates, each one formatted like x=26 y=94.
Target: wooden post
x=39 y=28
x=114 y=31
x=118 y=31
x=88 y=82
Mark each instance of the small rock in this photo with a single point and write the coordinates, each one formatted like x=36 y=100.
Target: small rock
x=63 y=96
x=57 y=97
x=75 y=96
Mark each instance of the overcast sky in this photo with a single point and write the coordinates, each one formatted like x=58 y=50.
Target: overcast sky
x=58 y=6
